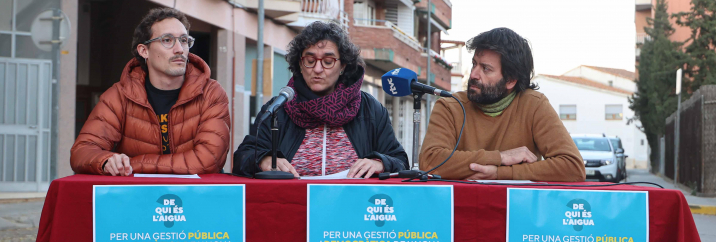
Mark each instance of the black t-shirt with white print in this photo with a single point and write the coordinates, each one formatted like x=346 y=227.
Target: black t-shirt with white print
x=162 y=101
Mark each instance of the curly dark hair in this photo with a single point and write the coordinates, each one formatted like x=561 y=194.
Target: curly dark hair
x=515 y=55
x=318 y=31
x=143 y=31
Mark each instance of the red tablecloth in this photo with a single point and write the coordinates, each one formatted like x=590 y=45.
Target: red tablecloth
x=276 y=210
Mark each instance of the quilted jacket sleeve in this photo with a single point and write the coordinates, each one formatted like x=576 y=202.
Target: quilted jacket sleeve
x=100 y=133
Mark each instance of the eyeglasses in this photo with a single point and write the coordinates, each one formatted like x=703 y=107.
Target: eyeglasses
x=326 y=62
x=168 y=41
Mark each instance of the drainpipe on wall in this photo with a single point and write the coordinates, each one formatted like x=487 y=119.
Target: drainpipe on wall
x=260 y=59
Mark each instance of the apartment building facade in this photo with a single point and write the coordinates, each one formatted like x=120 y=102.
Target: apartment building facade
x=35 y=142
x=645 y=9
x=594 y=100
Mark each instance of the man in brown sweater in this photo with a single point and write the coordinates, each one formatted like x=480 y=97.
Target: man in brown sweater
x=509 y=126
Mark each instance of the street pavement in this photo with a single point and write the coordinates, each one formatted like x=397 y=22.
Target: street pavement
x=705 y=224
x=19 y=218
x=644 y=176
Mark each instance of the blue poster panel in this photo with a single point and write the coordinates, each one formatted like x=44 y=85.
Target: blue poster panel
x=537 y=215
x=169 y=213
x=379 y=213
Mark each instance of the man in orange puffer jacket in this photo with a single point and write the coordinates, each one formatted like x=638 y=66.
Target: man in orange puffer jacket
x=165 y=115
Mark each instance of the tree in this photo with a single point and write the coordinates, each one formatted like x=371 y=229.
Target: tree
x=655 y=97
x=701 y=65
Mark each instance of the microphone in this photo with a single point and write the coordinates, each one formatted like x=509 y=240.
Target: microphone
x=284 y=95
x=402 y=82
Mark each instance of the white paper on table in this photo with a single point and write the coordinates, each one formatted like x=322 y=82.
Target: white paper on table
x=504 y=181
x=194 y=176
x=336 y=176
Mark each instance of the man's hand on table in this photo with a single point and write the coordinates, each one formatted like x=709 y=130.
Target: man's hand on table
x=118 y=165
x=281 y=165
x=516 y=156
x=483 y=172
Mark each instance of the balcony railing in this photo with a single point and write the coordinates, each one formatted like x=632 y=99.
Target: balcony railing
x=456 y=67
x=642 y=37
x=320 y=8
x=439 y=58
x=397 y=32
x=448 y=3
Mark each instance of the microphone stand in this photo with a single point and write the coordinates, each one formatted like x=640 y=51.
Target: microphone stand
x=417 y=101
x=414 y=172
x=274 y=173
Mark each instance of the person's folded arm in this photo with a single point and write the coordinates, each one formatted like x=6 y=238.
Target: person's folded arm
x=562 y=162
x=211 y=142
x=440 y=140
x=100 y=133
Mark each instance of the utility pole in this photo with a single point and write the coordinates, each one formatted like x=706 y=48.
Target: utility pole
x=417 y=100
x=677 y=125
x=260 y=59
x=54 y=127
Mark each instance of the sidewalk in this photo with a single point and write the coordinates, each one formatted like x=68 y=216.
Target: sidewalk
x=20 y=215
x=699 y=205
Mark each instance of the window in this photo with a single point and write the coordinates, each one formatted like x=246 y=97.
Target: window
x=364 y=12
x=568 y=112
x=611 y=83
x=391 y=12
x=616 y=143
x=16 y=17
x=614 y=112
x=592 y=144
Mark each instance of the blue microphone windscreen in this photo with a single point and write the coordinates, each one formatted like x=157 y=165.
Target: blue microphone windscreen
x=397 y=82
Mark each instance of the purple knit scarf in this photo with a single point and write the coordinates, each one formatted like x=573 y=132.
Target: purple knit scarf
x=335 y=109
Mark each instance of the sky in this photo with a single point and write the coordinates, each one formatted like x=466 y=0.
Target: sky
x=564 y=34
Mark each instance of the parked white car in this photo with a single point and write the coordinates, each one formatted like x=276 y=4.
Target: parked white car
x=621 y=156
x=599 y=156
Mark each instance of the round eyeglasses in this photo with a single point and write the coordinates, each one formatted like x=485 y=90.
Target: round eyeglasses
x=326 y=62
x=168 y=41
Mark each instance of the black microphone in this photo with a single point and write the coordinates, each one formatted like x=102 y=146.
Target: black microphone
x=284 y=95
x=402 y=82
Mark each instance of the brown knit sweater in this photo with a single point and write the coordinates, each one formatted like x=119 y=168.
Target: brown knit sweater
x=529 y=121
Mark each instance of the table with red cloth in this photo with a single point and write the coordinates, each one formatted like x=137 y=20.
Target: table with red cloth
x=276 y=209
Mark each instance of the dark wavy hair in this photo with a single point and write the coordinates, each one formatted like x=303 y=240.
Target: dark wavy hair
x=318 y=31
x=143 y=31
x=515 y=55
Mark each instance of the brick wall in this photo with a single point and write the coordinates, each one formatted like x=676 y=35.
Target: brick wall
x=370 y=38
x=442 y=75
x=435 y=41
x=443 y=12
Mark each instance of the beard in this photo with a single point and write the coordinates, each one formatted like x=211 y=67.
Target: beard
x=174 y=70
x=488 y=94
